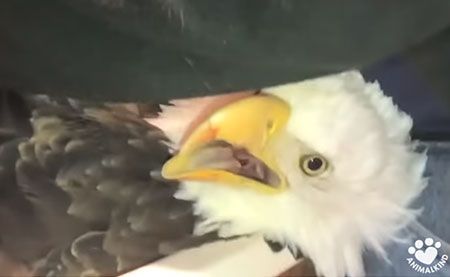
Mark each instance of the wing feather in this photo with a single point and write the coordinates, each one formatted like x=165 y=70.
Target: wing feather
x=81 y=173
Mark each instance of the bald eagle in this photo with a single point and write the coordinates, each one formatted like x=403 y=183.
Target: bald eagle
x=325 y=167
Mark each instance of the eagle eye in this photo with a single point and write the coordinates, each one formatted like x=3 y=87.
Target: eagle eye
x=313 y=165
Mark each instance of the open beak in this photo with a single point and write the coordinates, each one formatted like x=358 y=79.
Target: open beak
x=235 y=146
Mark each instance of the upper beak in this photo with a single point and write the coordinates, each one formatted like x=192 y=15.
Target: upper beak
x=235 y=146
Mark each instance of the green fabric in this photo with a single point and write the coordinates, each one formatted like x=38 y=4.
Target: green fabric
x=147 y=49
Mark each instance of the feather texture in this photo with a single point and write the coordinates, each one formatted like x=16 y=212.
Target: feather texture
x=77 y=194
x=93 y=169
x=361 y=203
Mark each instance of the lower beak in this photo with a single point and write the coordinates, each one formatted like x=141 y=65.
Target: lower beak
x=235 y=146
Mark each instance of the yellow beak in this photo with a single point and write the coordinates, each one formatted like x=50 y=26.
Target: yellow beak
x=235 y=146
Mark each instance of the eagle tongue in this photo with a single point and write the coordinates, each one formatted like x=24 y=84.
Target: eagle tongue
x=222 y=155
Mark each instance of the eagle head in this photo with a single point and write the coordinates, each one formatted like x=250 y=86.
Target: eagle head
x=325 y=165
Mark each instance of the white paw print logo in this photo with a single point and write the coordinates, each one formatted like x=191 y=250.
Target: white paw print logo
x=427 y=255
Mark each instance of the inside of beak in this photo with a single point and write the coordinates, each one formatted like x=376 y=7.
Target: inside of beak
x=234 y=146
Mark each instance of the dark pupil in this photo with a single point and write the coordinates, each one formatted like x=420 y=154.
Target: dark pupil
x=315 y=164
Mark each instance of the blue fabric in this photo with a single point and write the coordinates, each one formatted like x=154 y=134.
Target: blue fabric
x=435 y=217
x=414 y=94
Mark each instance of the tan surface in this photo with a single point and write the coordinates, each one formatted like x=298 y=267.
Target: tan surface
x=12 y=268
x=303 y=268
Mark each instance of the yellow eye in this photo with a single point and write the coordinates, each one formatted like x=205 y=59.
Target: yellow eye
x=313 y=165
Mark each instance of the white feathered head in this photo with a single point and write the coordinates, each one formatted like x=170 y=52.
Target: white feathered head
x=325 y=165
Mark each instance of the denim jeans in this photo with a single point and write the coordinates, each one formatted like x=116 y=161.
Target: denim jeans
x=434 y=223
